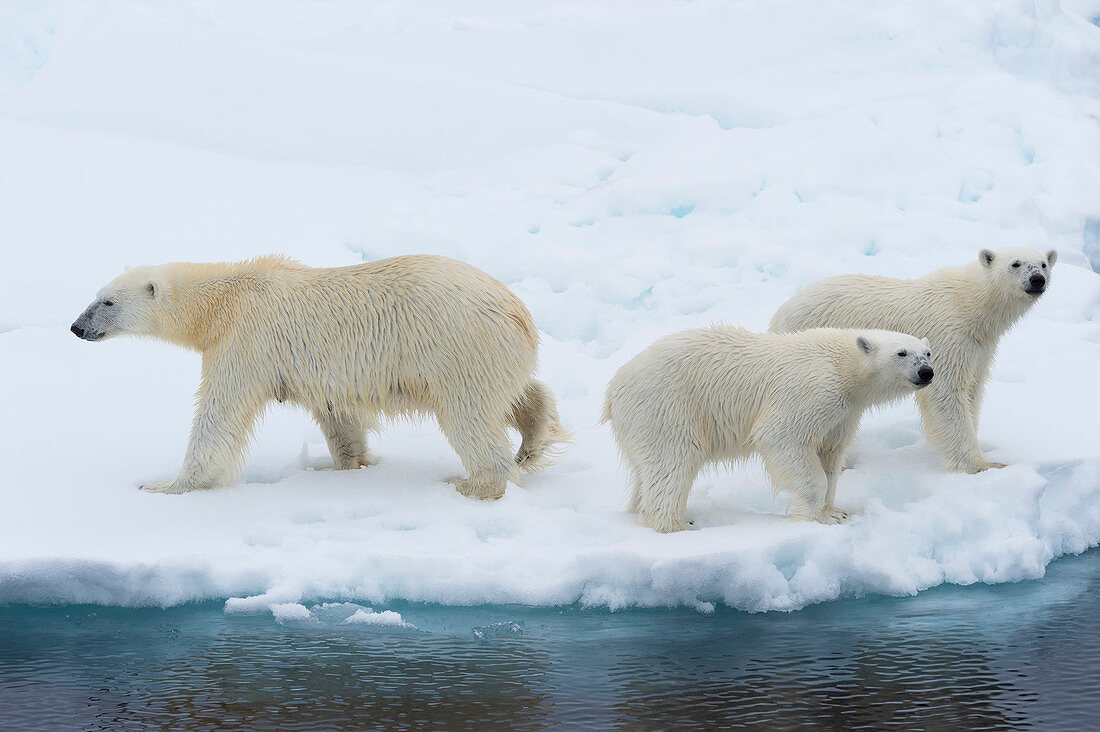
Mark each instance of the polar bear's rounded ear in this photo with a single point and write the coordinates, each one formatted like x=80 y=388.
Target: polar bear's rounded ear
x=986 y=257
x=152 y=289
x=925 y=342
x=1052 y=257
x=864 y=345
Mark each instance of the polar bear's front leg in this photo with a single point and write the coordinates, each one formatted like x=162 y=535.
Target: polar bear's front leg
x=832 y=454
x=976 y=395
x=346 y=438
x=797 y=470
x=662 y=483
x=951 y=427
x=223 y=421
x=832 y=460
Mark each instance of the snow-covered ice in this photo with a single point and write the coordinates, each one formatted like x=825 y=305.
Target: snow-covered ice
x=367 y=616
x=342 y=613
x=290 y=612
x=628 y=169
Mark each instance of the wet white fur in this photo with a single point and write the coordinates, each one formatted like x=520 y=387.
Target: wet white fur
x=408 y=335
x=722 y=393
x=962 y=311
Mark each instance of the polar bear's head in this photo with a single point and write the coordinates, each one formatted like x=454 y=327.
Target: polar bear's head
x=1022 y=272
x=127 y=305
x=901 y=362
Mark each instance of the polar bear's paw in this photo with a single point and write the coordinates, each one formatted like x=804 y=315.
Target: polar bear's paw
x=829 y=516
x=480 y=489
x=983 y=466
x=163 y=486
x=664 y=524
x=355 y=462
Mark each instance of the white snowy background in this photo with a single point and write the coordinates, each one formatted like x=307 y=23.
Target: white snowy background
x=628 y=169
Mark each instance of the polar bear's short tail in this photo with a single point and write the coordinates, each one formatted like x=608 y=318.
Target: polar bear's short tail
x=535 y=415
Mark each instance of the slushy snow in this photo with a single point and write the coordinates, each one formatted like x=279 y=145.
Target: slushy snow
x=628 y=170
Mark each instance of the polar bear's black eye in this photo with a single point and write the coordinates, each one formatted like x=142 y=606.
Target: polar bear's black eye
x=1015 y=265
x=902 y=354
x=1044 y=265
x=109 y=303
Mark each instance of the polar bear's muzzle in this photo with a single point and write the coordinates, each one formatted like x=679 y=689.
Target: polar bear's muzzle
x=922 y=375
x=84 y=333
x=91 y=325
x=1036 y=284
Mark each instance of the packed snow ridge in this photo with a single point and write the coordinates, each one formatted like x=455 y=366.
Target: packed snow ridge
x=627 y=175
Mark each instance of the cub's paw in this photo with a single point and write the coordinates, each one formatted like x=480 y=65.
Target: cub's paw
x=355 y=463
x=983 y=466
x=478 y=489
x=828 y=516
x=163 y=486
x=667 y=525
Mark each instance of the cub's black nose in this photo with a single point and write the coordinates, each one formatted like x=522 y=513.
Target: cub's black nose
x=77 y=330
x=1037 y=280
x=925 y=373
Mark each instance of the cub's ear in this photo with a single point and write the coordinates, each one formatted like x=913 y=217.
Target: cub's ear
x=925 y=342
x=986 y=257
x=864 y=345
x=153 y=289
x=1052 y=257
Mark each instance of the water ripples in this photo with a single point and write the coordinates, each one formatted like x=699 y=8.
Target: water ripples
x=1006 y=657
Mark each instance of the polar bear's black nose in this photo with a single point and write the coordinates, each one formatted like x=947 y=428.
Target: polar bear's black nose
x=925 y=373
x=77 y=330
x=1037 y=280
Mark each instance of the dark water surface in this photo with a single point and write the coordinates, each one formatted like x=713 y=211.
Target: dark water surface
x=980 y=657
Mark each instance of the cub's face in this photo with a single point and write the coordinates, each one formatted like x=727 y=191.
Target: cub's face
x=1023 y=272
x=903 y=361
x=125 y=306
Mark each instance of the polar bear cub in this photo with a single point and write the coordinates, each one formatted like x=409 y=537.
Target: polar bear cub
x=722 y=393
x=413 y=334
x=963 y=311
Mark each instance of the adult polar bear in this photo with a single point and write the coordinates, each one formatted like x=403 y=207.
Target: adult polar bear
x=722 y=393
x=963 y=311
x=413 y=334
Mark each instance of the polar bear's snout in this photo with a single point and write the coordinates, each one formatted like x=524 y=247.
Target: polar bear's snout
x=920 y=367
x=91 y=325
x=924 y=375
x=1036 y=284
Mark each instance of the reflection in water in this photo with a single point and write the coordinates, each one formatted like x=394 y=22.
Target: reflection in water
x=977 y=658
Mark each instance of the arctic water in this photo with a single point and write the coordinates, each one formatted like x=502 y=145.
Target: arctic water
x=1018 y=655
